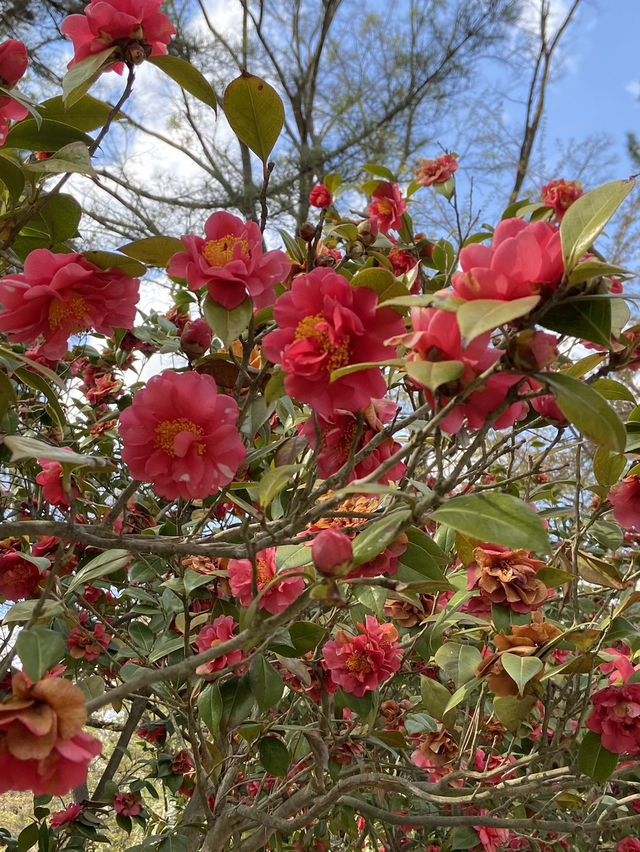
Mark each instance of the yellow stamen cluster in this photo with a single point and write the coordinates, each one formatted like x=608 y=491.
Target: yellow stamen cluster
x=168 y=430
x=70 y=313
x=221 y=252
x=314 y=327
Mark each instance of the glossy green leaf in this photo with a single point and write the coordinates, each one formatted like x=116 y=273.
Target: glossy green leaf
x=495 y=518
x=587 y=218
x=266 y=683
x=255 y=113
x=109 y=260
x=435 y=697
x=237 y=700
x=458 y=661
x=86 y=114
x=306 y=636
x=227 y=325
x=23 y=610
x=187 y=77
x=99 y=567
x=81 y=77
x=50 y=136
x=73 y=158
x=274 y=481
x=591 y=269
x=608 y=468
x=39 y=383
x=61 y=215
x=274 y=756
x=153 y=251
x=39 y=650
x=434 y=374
x=594 y=760
x=586 y=319
x=512 y=711
x=611 y=389
x=587 y=410
x=521 y=669
x=12 y=177
x=378 y=535
x=210 y=707
x=365 y=365
x=481 y=315
x=383 y=282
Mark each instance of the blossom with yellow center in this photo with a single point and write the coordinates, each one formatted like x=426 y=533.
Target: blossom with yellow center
x=316 y=328
x=167 y=432
x=70 y=313
x=221 y=252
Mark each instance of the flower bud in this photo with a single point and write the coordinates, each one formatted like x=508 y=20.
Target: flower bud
x=535 y=350
x=307 y=231
x=332 y=553
x=196 y=338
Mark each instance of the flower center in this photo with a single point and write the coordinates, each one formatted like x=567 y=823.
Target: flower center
x=70 y=313
x=168 y=431
x=264 y=574
x=385 y=206
x=316 y=328
x=221 y=252
x=357 y=662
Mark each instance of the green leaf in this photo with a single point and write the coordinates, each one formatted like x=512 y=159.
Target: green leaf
x=187 y=77
x=364 y=365
x=23 y=447
x=99 y=567
x=384 y=283
x=463 y=837
x=587 y=217
x=28 y=837
x=12 y=177
x=378 y=535
x=142 y=636
x=306 y=636
x=153 y=251
x=81 y=77
x=591 y=269
x=23 y=610
x=480 y=315
x=91 y=687
x=434 y=374
x=37 y=382
x=587 y=410
x=608 y=468
x=595 y=760
x=435 y=697
x=111 y=260
x=521 y=669
x=194 y=580
x=7 y=393
x=39 y=650
x=210 y=707
x=274 y=481
x=495 y=519
x=274 y=756
x=49 y=136
x=73 y=158
x=380 y=171
x=61 y=214
x=173 y=843
x=255 y=113
x=290 y=556
x=227 y=325
x=266 y=683
x=458 y=661
x=610 y=389
x=420 y=723
x=512 y=711
x=237 y=700
x=86 y=114
x=586 y=319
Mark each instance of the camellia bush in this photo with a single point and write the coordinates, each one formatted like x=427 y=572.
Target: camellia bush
x=358 y=571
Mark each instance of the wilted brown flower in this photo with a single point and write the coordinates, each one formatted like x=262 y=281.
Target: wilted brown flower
x=508 y=577
x=438 y=749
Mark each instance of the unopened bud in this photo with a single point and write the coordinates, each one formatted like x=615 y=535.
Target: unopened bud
x=308 y=232
x=196 y=338
x=332 y=553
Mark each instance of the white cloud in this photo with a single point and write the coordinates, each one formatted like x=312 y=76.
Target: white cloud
x=633 y=88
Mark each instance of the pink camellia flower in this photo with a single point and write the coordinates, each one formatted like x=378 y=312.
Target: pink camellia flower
x=14 y=60
x=629 y=844
x=196 y=338
x=154 y=734
x=282 y=592
x=402 y=261
x=230 y=263
x=491 y=839
x=436 y=337
x=181 y=435
x=616 y=717
x=18 y=577
x=137 y=28
x=325 y=323
x=535 y=350
x=338 y=433
x=332 y=553
x=89 y=646
x=42 y=746
x=387 y=207
x=560 y=195
x=359 y=664
x=524 y=259
x=321 y=197
x=60 y=295
x=70 y=813
x=182 y=763
x=221 y=630
x=128 y=804
x=625 y=499
x=52 y=483
x=437 y=171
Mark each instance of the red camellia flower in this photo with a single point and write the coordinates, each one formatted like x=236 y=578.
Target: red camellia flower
x=14 y=60
x=221 y=630
x=196 y=338
x=508 y=578
x=51 y=481
x=437 y=171
x=230 y=263
x=88 y=646
x=359 y=664
x=629 y=844
x=321 y=197
x=154 y=734
x=128 y=804
x=387 y=207
x=338 y=433
x=61 y=818
x=280 y=594
x=18 y=576
x=42 y=746
x=332 y=552
x=325 y=323
x=625 y=499
x=136 y=27
x=616 y=717
x=560 y=195
x=181 y=435
x=436 y=337
x=60 y=295
x=524 y=259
